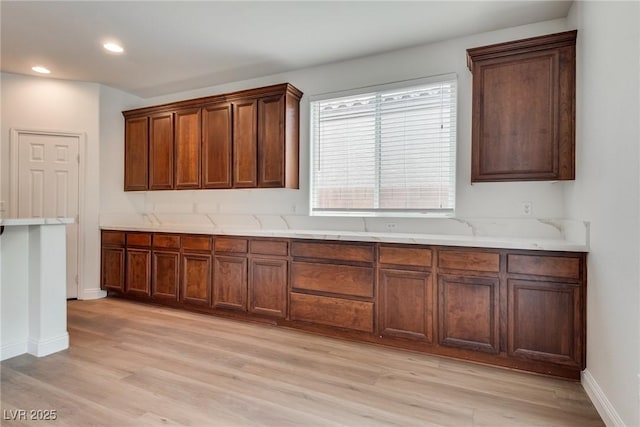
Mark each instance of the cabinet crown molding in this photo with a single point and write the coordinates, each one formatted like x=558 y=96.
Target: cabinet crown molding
x=288 y=88
x=531 y=44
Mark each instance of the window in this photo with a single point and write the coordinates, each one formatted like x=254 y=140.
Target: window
x=387 y=150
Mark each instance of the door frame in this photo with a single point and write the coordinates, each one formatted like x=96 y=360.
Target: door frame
x=14 y=188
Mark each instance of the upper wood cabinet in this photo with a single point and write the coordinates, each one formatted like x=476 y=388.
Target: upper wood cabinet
x=524 y=109
x=216 y=145
x=136 y=153
x=161 y=151
x=187 y=148
x=245 y=139
x=245 y=145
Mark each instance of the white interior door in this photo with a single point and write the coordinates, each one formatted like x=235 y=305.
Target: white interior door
x=48 y=167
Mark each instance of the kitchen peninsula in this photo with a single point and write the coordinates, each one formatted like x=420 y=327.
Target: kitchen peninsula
x=33 y=286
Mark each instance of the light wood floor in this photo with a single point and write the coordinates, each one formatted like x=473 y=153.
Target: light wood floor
x=132 y=365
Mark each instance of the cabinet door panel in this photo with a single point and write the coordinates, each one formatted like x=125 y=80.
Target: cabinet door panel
x=271 y=160
x=136 y=154
x=165 y=267
x=545 y=321
x=268 y=287
x=506 y=87
x=113 y=269
x=187 y=143
x=138 y=277
x=245 y=144
x=468 y=312
x=161 y=152
x=196 y=279
x=216 y=146
x=230 y=290
x=406 y=305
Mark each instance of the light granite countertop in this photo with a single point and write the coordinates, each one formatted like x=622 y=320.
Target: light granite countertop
x=548 y=243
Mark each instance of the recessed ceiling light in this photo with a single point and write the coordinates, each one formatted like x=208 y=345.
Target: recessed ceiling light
x=39 y=69
x=112 y=47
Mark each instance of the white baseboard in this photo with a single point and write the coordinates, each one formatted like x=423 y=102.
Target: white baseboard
x=95 y=293
x=7 y=351
x=604 y=407
x=42 y=348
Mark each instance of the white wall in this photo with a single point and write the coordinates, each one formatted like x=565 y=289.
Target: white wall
x=607 y=193
x=486 y=200
x=58 y=105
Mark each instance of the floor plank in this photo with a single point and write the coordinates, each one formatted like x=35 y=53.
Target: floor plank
x=132 y=364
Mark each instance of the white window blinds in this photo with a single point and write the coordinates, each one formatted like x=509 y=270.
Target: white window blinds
x=389 y=150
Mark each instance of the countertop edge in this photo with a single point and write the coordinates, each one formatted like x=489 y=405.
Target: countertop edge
x=35 y=221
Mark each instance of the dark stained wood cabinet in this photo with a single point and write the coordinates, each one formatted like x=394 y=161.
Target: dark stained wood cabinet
x=165 y=266
x=469 y=312
x=405 y=292
x=406 y=304
x=138 y=264
x=271 y=142
x=469 y=299
x=245 y=139
x=161 y=150
x=523 y=118
x=187 y=148
x=245 y=146
x=546 y=291
x=136 y=154
x=216 y=145
x=230 y=287
x=112 y=261
x=268 y=277
x=514 y=308
x=196 y=270
x=333 y=284
x=196 y=278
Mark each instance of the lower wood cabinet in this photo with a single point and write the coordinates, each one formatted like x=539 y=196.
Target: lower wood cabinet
x=196 y=279
x=268 y=287
x=406 y=304
x=166 y=274
x=513 y=308
x=545 y=321
x=112 y=269
x=230 y=283
x=469 y=312
x=138 y=276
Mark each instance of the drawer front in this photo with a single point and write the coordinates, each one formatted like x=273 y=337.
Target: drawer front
x=170 y=241
x=356 y=315
x=138 y=239
x=332 y=278
x=554 y=266
x=270 y=247
x=229 y=244
x=334 y=251
x=413 y=257
x=115 y=238
x=196 y=243
x=471 y=261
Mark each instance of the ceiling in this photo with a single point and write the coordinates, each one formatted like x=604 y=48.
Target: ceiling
x=173 y=46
